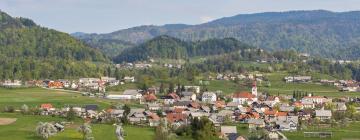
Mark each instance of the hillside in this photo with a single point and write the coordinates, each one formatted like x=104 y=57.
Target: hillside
x=173 y=48
x=324 y=33
x=28 y=51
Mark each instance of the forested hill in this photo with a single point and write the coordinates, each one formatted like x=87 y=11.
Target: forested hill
x=173 y=48
x=28 y=51
x=321 y=33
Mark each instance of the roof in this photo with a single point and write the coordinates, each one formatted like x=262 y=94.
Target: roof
x=174 y=117
x=182 y=103
x=281 y=114
x=150 y=97
x=130 y=92
x=220 y=104
x=174 y=96
x=256 y=121
x=208 y=94
x=91 y=107
x=270 y=112
x=314 y=97
x=186 y=93
x=154 y=116
x=46 y=106
x=195 y=105
x=243 y=95
x=228 y=129
x=324 y=113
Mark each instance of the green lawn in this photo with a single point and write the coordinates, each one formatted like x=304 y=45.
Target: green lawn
x=24 y=128
x=350 y=132
x=278 y=85
x=37 y=96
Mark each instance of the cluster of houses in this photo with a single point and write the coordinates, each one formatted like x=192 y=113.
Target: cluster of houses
x=82 y=84
x=11 y=83
x=252 y=108
x=133 y=66
x=256 y=110
x=234 y=76
x=297 y=79
x=343 y=85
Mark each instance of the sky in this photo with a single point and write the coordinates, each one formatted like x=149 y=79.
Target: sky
x=103 y=16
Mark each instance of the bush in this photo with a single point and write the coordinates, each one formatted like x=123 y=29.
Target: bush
x=9 y=109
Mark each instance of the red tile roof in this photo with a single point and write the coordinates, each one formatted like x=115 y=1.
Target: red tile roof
x=195 y=105
x=220 y=104
x=243 y=95
x=270 y=112
x=154 y=116
x=46 y=106
x=178 y=110
x=150 y=97
x=174 y=96
x=281 y=114
x=173 y=117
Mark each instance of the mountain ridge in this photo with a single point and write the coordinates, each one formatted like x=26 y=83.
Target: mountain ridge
x=318 y=32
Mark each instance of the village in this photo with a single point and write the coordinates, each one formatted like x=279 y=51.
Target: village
x=259 y=111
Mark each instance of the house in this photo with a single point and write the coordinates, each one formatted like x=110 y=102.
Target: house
x=307 y=104
x=119 y=97
x=198 y=115
x=154 y=119
x=271 y=100
x=150 y=98
x=55 y=84
x=208 y=97
x=233 y=136
x=129 y=79
x=47 y=107
x=314 y=99
x=195 y=89
x=153 y=107
x=273 y=135
x=233 y=105
x=226 y=130
x=135 y=94
x=323 y=114
x=86 y=82
x=181 y=104
x=287 y=123
x=187 y=95
x=176 y=119
x=298 y=79
x=244 y=98
x=14 y=83
x=91 y=107
x=116 y=113
x=170 y=98
x=340 y=106
x=136 y=116
x=256 y=123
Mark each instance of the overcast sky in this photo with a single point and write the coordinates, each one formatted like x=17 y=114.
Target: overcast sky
x=102 y=16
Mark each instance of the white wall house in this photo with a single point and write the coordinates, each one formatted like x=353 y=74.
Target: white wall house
x=208 y=97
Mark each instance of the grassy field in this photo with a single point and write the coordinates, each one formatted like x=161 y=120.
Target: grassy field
x=24 y=128
x=350 y=132
x=278 y=85
x=38 y=96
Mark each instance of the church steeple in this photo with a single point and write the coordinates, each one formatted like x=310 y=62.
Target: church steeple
x=254 y=89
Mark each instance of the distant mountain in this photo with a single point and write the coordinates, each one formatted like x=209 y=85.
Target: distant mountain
x=173 y=48
x=28 y=51
x=319 y=32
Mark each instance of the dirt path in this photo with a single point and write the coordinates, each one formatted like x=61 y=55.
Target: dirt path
x=7 y=121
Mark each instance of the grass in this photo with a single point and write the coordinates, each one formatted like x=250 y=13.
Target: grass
x=350 y=132
x=24 y=128
x=37 y=96
x=278 y=85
